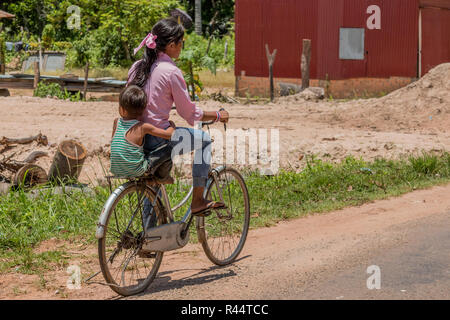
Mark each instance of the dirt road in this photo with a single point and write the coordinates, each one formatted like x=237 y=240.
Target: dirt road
x=327 y=256
x=320 y=256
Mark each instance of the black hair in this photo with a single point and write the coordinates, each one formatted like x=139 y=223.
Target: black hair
x=134 y=100
x=167 y=31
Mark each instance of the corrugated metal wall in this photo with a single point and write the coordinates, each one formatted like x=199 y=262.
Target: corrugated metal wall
x=435 y=3
x=282 y=24
x=393 y=50
x=435 y=37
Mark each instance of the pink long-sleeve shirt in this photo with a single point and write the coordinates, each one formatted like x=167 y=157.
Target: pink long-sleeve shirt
x=164 y=87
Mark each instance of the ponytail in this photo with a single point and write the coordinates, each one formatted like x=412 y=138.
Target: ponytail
x=166 y=31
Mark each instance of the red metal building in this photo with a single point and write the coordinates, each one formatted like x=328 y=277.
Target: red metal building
x=413 y=37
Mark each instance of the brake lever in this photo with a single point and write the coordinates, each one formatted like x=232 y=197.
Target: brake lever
x=224 y=124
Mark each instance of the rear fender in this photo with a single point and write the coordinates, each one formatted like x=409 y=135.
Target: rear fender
x=100 y=233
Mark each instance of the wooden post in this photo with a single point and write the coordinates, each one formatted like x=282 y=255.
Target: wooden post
x=40 y=54
x=306 y=59
x=37 y=74
x=225 y=54
x=191 y=71
x=271 y=60
x=86 y=74
x=2 y=54
x=419 y=71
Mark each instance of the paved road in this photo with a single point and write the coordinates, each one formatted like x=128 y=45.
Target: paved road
x=419 y=268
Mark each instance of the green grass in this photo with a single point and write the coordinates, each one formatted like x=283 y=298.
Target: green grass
x=222 y=79
x=323 y=186
x=320 y=187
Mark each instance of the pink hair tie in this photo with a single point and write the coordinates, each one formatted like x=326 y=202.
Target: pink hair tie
x=149 y=41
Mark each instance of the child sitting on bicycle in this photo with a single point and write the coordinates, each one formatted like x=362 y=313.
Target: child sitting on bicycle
x=127 y=153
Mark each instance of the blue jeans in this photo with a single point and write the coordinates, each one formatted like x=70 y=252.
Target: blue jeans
x=184 y=140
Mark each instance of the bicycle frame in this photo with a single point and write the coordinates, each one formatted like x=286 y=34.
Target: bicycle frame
x=162 y=190
x=187 y=214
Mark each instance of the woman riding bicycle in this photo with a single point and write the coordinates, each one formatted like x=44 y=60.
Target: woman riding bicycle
x=157 y=74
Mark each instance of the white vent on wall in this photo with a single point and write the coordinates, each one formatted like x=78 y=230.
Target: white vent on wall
x=351 y=43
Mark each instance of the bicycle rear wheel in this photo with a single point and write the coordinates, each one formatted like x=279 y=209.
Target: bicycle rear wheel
x=125 y=268
x=224 y=232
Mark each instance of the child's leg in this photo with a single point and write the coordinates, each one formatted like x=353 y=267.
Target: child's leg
x=150 y=143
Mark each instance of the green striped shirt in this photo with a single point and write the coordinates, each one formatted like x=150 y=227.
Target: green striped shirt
x=127 y=159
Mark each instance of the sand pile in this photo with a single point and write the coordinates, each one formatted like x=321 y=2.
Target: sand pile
x=424 y=104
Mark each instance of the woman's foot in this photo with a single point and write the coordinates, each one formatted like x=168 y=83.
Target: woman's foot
x=203 y=207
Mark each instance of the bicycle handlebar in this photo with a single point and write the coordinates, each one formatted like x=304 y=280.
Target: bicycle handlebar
x=207 y=123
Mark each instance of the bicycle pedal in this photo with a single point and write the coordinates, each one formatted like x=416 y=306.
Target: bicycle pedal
x=203 y=213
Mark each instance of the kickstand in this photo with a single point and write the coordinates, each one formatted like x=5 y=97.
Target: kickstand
x=93 y=276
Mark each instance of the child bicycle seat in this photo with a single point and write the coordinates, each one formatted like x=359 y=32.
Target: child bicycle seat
x=160 y=162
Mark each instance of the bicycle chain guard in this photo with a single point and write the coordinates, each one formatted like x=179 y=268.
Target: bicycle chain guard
x=165 y=238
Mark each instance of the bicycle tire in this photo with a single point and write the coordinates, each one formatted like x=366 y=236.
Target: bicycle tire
x=207 y=226
x=112 y=221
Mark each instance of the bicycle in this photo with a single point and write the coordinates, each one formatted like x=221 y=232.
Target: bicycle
x=121 y=231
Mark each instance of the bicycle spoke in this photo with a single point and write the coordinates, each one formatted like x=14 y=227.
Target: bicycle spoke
x=225 y=231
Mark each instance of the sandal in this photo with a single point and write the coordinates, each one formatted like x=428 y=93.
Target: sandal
x=207 y=211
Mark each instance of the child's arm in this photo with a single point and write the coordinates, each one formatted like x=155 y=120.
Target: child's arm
x=114 y=127
x=147 y=128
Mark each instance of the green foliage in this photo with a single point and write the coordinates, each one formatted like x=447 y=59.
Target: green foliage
x=48 y=36
x=324 y=186
x=54 y=90
x=26 y=221
x=82 y=51
x=133 y=19
x=110 y=29
x=2 y=48
x=216 y=51
x=426 y=164
x=44 y=90
x=194 y=57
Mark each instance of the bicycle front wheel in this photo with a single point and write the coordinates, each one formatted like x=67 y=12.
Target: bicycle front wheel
x=223 y=233
x=126 y=269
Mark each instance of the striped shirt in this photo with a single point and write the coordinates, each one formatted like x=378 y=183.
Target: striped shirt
x=127 y=159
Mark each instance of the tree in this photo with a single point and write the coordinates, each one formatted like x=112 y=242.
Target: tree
x=198 y=17
x=222 y=9
x=48 y=36
x=192 y=59
x=133 y=19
